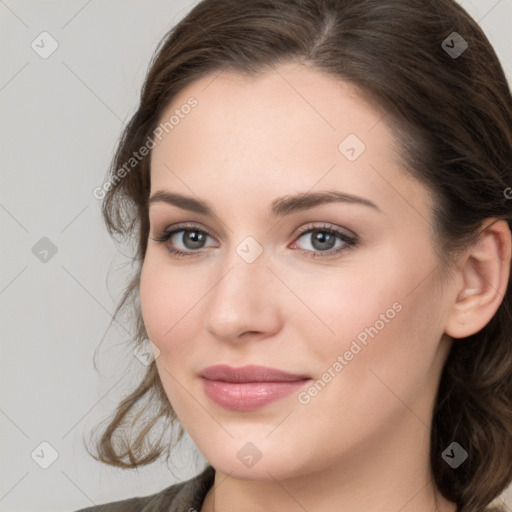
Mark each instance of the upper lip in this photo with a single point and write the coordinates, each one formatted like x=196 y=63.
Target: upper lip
x=250 y=373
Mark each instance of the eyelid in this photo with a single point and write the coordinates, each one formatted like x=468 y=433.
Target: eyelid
x=310 y=225
x=323 y=225
x=185 y=226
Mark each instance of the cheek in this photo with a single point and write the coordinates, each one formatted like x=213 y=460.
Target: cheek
x=346 y=306
x=150 y=303
x=395 y=364
x=159 y=307
x=386 y=328
x=170 y=302
x=379 y=380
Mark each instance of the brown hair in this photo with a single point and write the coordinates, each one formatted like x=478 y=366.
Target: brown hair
x=453 y=116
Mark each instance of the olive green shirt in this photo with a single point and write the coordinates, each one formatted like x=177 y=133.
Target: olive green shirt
x=186 y=496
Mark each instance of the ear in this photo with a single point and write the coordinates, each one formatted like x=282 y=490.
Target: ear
x=484 y=269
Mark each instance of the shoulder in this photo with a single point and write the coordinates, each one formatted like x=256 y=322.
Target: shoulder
x=128 y=505
x=177 y=497
x=496 y=507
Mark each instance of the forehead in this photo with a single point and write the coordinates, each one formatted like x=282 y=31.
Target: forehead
x=282 y=100
x=289 y=129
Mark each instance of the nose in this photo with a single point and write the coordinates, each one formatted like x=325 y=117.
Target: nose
x=244 y=301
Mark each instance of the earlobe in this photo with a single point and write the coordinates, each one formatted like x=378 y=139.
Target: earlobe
x=485 y=273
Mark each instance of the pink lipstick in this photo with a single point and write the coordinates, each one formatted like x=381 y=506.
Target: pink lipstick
x=249 y=387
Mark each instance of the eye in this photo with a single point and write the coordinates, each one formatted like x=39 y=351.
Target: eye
x=323 y=241
x=192 y=238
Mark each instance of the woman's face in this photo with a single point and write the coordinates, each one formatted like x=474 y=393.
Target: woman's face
x=363 y=321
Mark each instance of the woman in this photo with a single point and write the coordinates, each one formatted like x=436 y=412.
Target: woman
x=318 y=191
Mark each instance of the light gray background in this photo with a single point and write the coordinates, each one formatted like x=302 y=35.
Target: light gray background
x=60 y=120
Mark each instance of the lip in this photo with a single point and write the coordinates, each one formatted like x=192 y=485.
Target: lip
x=249 y=373
x=249 y=387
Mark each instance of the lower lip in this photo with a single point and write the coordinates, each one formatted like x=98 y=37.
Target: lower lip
x=248 y=396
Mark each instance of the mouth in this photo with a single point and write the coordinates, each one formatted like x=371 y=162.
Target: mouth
x=249 y=387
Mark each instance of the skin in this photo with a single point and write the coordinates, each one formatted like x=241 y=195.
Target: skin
x=362 y=443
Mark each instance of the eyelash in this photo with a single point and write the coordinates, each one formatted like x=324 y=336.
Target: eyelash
x=349 y=242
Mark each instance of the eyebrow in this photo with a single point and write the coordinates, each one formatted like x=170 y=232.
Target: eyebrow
x=280 y=207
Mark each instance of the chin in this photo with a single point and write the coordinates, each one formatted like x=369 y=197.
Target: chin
x=246 y=460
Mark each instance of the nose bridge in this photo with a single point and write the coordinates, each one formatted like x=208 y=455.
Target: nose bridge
x=241 y=299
